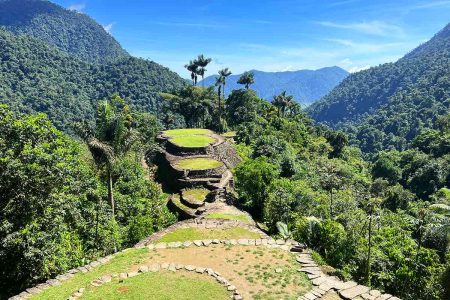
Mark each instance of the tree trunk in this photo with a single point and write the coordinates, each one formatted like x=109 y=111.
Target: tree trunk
x=369 y=252
x=331 y=203
x=110 y=192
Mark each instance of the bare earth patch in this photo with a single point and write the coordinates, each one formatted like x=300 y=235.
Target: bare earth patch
x=258 y=272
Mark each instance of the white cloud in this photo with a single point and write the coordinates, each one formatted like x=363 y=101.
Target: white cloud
x=357 y=69
x=430 y=4
x=77 y=7
x=373 y=28
x=108 y=27
x=365 y=47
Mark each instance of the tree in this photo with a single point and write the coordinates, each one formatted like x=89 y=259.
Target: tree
x=220 y=82
x=112 y=137
x=247 y=78
x=201 y=62
x=224 y=73
x=282 y=102
x=193 y=68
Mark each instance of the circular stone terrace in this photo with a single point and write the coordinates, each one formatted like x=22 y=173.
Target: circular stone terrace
x=198 y=163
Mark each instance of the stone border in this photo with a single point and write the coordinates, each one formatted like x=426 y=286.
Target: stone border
x=203 y=223
x=234 y=293
x=322 y=283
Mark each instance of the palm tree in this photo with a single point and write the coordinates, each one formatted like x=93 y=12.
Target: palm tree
x=224 y=73
x=246 y=79
x=201 y=62
x=278 y=103
x=220 y=85
x=193 y=68
x=111 y=138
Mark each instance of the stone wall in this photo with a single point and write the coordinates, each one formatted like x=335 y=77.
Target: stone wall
x=226 y=153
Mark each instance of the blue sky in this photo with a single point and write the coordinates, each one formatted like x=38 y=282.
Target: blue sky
x=268 y=35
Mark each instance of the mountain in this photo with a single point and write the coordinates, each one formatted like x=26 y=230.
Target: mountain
x=306 y=86
x=386 y=106
x=37 y=77
x=69 y=31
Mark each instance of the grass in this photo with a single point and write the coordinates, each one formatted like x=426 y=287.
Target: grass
x=186 y=131
x=229 y=134
x=191 y=234
x=241 y=217
x=196 y=196
x=161 y=285
x=120 y=263
x=199 y=164
x=177 y=201
x=192 y=141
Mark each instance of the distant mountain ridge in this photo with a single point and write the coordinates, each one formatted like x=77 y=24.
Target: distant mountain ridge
x=70 y=31
x=306 y=86
x=386 y=106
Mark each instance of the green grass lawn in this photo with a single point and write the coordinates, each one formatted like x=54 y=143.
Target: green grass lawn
x=186 y=131
x=191 y=234
x=192 y=141
x=120 y=263
x=198 y=163
x=180 y=285
x=242 y=217
x=196 y=196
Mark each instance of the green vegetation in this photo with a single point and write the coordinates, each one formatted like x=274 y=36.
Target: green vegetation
x=192 y=234
x=229 y=134
x=122 y=262
x=70 y=31
x=192 y=141
x=198 y=164
x=186 y=131
x=386 y=107
x=52 y=75
x=54 y=200
x=195 y=195
x=241 y=217
x=161 y=285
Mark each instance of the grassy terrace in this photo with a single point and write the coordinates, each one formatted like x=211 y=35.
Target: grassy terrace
x=229 y=134
x=198 y=164
x=240 y=217
x=196 y=196
x=191 y=234
x=192 y=141
x=162 y=285
x=186 y=131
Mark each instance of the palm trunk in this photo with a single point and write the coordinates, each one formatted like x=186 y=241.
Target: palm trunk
x=331 y=203
x=110 y=192
x=369 y=252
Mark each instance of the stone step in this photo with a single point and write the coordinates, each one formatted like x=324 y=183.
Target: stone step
x=176 y=205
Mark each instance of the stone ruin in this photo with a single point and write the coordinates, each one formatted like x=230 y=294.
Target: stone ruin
x=218 y=181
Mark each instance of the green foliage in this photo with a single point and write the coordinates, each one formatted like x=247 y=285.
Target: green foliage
x=70 y=31
x=385 y=107
x=35 y=77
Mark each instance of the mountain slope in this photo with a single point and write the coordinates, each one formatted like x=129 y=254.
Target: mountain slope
x=70 y=31
x=35 y=77
x=306 y=86
x=386 y=106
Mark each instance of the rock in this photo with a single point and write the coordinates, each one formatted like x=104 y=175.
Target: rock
x=385 y=297
x=243 y=241
x=123 y=275
x=172 y=267
x=187 y=244
x=151 y=246
x=53 y=282
x=207 y=242
x=179 y=266
x=375 y=293
x=339 y=285
x=310 y=296
x=198 y=243
x=200 y=270
x=270 y=242
x=278 y=270
x=94 y=264
x=174 y=245
x=233 y=242
x=238 y=297
x=132 y=274
x=105 y=278
x=143 y=269
x=190 y=267
x=231 y=288
x=161 y=246
x=280 y=242
x=215 y=241
x=154 y=267
x=251 y=242
x=164 y=266
x=352 y=292
x=83 y=269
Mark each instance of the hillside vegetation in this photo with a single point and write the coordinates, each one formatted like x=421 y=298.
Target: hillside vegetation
x=72 y=32
x=36 y=77
x=385 y=107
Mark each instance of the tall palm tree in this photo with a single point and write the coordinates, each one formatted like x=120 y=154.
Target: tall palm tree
x=224 y=73
x=112 y=137
x=220 y=85
x=246 y=79
x=193 y=68
x=201 y=62
x=278 y=103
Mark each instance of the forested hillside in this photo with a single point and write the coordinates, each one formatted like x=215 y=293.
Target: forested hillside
x=69 y=31
x=388 y=105
x=36 y=77
x=306 y=86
